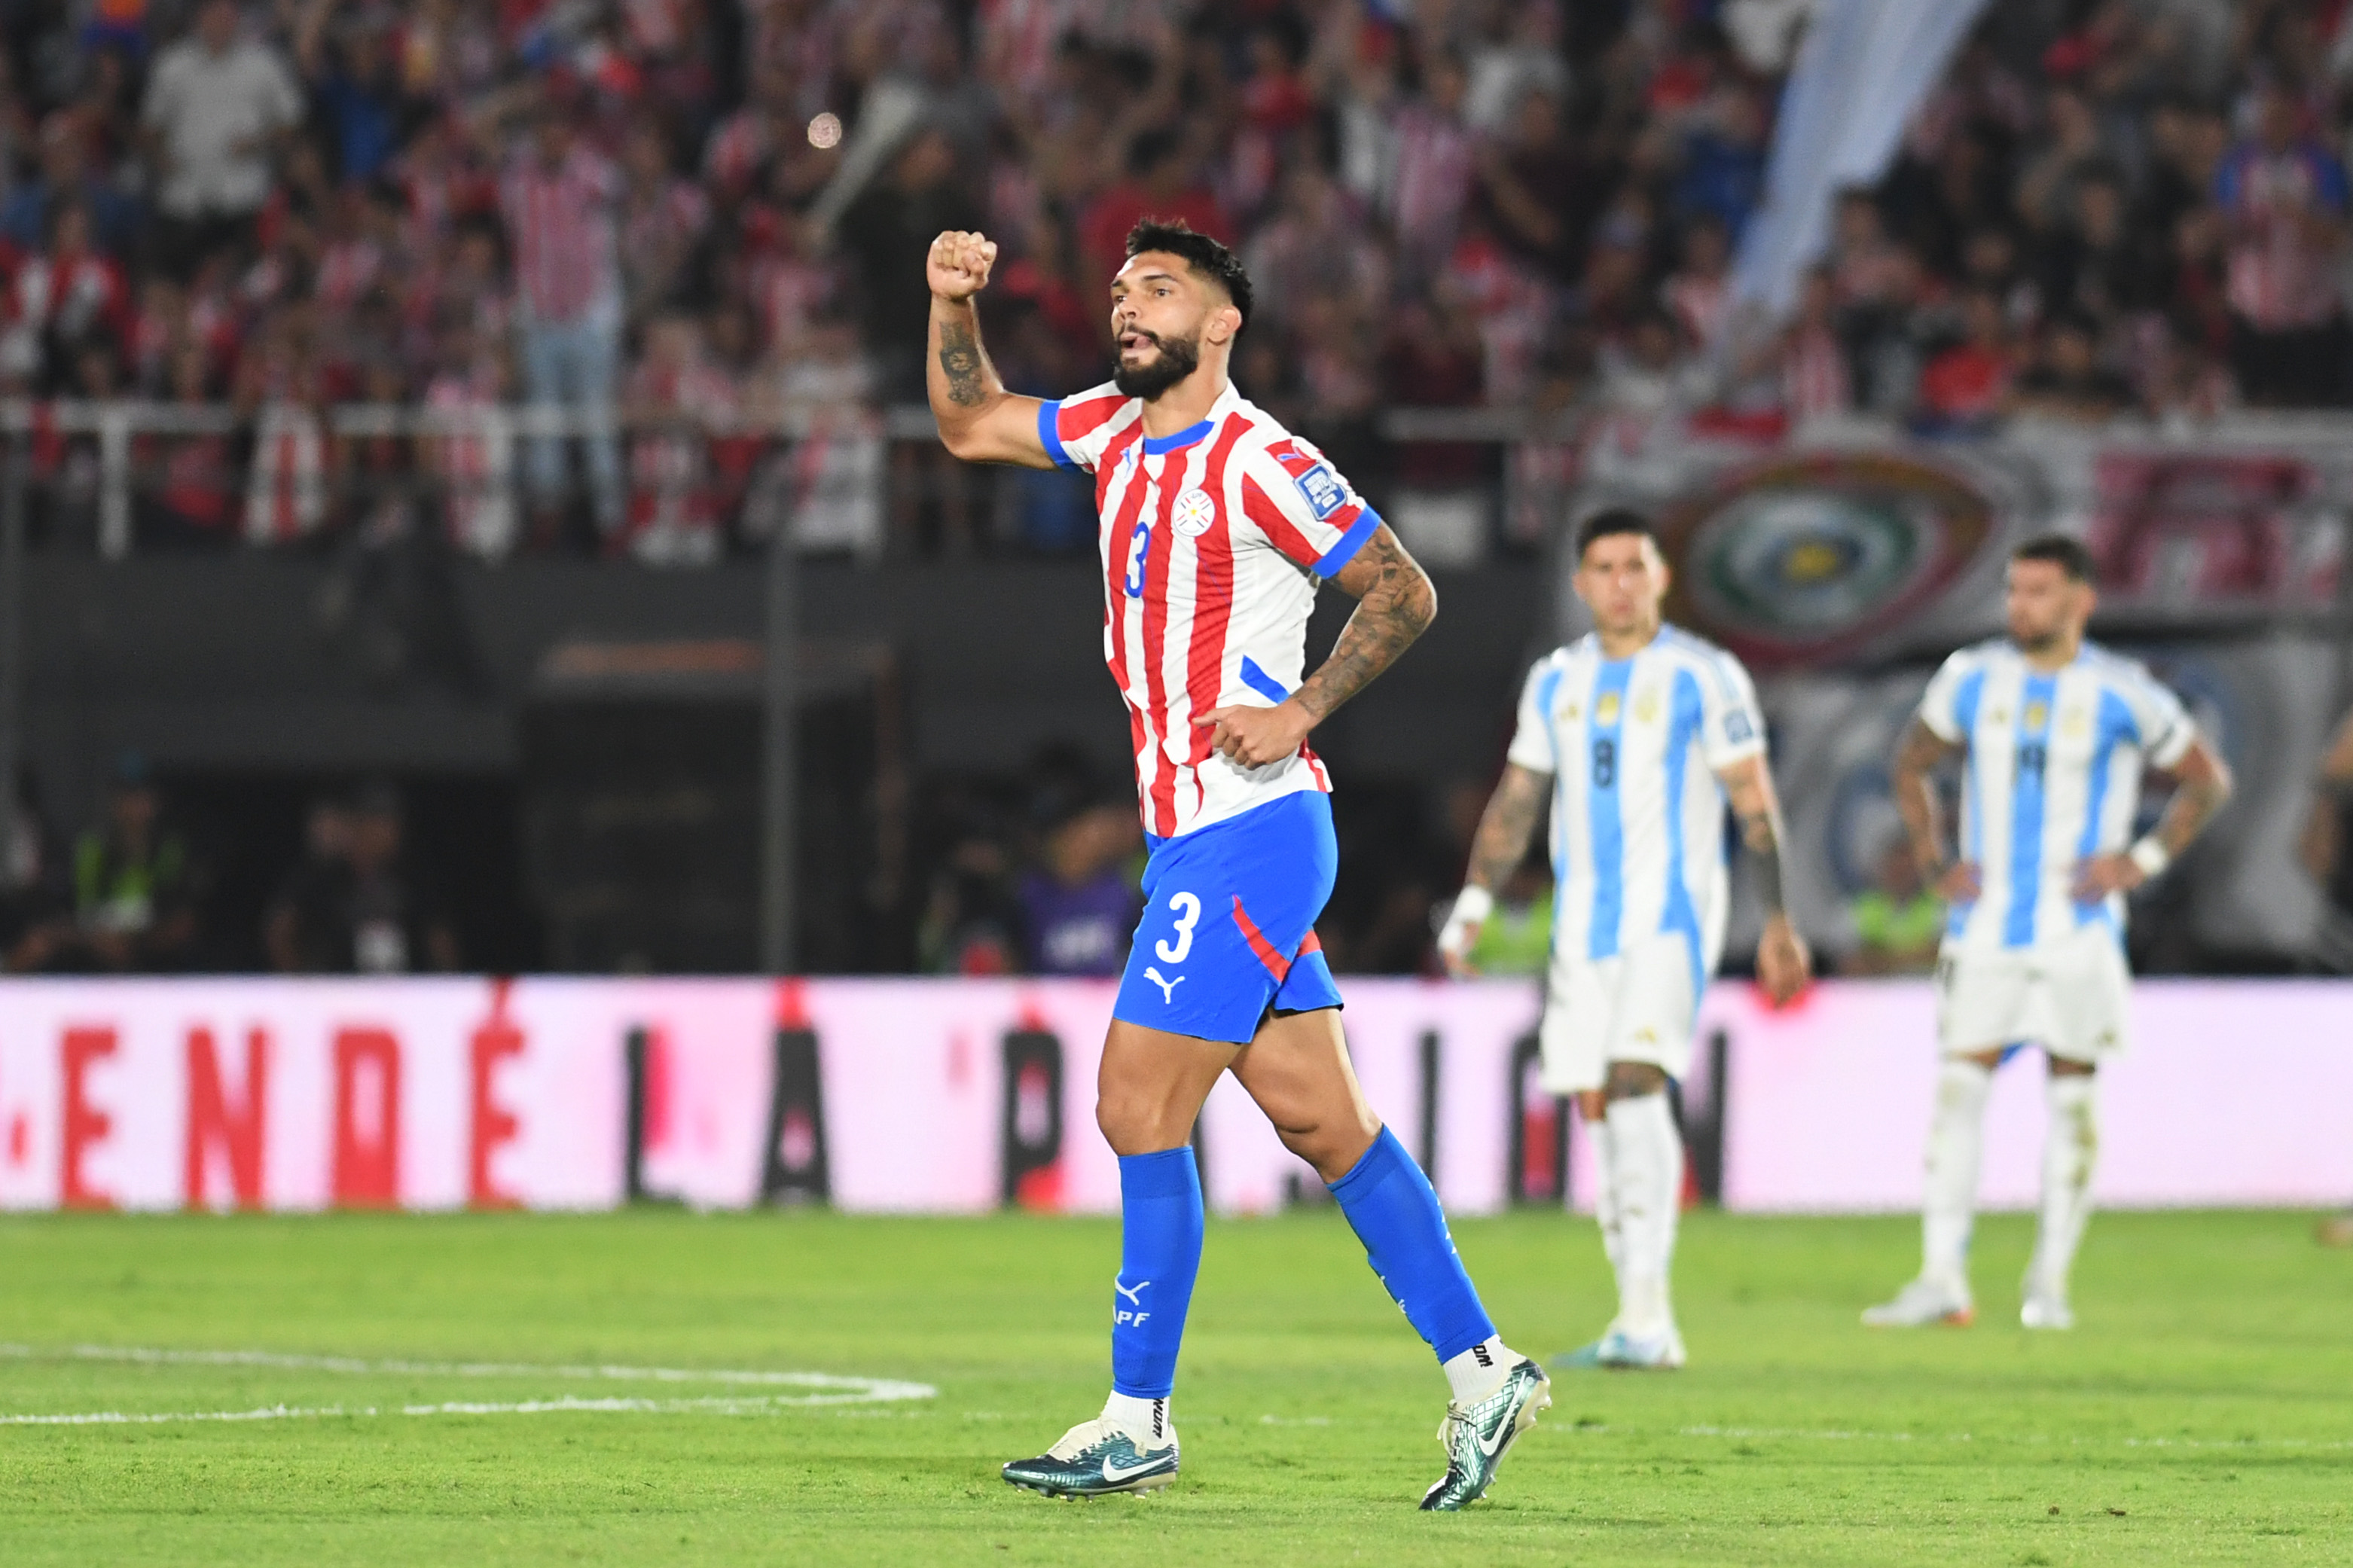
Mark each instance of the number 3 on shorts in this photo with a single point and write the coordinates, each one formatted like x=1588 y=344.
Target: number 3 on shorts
x=1188 y=915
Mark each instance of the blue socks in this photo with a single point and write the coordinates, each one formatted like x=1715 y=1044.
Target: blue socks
x=1159 y=1254
x=1394 y=1212
x=1390 y=1206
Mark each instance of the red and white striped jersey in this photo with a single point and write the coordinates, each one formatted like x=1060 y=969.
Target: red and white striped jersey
x=562 y=221
x=1213 y=540
x=2281 y=277
x=286 y=486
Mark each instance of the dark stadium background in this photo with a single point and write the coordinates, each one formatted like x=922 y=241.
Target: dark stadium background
x=1490 y=242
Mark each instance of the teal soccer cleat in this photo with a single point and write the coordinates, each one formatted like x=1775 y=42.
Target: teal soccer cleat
x=1618 y=1351
x=1584 y=1358
x=1476 y=1440
x=1095 y=1458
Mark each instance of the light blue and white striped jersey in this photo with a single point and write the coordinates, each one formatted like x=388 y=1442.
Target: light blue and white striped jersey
x=1633 y=745
x=2053 y=778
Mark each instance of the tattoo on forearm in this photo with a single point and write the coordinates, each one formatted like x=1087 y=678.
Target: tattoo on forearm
x=960 y=359
x=1502 y=835
x=1762 y=835
x=1395 y=603
x=2194 y=805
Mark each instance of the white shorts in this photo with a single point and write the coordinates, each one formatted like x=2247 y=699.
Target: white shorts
x=1635 y=1007
x=2067 y=997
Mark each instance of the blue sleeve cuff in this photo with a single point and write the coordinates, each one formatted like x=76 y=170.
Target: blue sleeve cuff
x=1340 y=554
x=1050 y=435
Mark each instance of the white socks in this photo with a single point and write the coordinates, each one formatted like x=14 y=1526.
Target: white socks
x=1146 y=1420
x=1605 y=1190
x=2071 y=1146
x=1956 y=1139
x=1646 y=1154
x=1479 y=1371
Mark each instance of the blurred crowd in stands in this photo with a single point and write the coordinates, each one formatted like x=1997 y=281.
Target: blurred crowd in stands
x=701 y=223
x=137 y=892
x=709 y=216
x=1039 y=875
x=1043 y=874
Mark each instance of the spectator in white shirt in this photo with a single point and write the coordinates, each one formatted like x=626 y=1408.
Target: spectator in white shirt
x=217 y=106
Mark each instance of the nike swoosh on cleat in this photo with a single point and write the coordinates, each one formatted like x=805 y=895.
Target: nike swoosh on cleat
x=1116 y=1472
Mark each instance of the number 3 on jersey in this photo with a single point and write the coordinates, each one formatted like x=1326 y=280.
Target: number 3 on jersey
x=1188 y=915
x=1139 y=545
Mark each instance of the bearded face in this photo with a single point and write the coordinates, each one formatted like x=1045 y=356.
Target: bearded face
x=1173 y=359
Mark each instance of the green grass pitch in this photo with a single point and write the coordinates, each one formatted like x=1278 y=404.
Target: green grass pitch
x=2203 y=1412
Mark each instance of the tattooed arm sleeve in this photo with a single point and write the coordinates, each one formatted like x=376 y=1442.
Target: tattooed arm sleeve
x=1749 y=784
x=1395 y=603
x=979 y=420
x=1504 y=827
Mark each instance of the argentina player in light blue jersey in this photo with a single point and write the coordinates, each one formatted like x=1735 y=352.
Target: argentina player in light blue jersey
x=1640 y=734
x=2052 y=734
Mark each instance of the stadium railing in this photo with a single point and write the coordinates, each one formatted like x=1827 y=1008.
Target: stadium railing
x=2287 y=477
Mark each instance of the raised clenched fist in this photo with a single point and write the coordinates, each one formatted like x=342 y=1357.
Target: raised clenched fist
x=958 y=267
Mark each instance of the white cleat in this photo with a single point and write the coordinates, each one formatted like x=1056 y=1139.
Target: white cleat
x=1922 y=1303
x=1645 y=1353
x=2045 y=1309
x=1618 y=1351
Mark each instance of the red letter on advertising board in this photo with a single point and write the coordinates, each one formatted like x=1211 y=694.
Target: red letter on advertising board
x=493 y=1042
x=212 y=1121
x=85 y=1124
x=367 y=1119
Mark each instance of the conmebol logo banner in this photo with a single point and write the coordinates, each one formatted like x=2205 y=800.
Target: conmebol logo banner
x=959 y=1096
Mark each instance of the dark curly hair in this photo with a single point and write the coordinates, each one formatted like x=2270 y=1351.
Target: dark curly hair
x=1205 y=255
x=2067 y=554
x=1615 y=520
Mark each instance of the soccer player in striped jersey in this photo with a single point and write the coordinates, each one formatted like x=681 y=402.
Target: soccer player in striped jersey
x=2052 y=734
x=1218 y=526
x=1639 y=733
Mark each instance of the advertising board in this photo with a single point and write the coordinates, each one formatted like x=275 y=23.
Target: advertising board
x=960 y=1095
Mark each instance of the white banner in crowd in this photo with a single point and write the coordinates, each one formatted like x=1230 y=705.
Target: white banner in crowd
x=959 y=1096
x=1864 y=67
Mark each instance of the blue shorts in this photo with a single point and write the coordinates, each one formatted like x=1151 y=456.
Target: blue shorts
x=1228 y=926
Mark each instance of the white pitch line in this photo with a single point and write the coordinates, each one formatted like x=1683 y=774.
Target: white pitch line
x=829 y=1389
x=758 y=1404
x=123 y=1418
x=752 y=1406
x=863 y=1388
